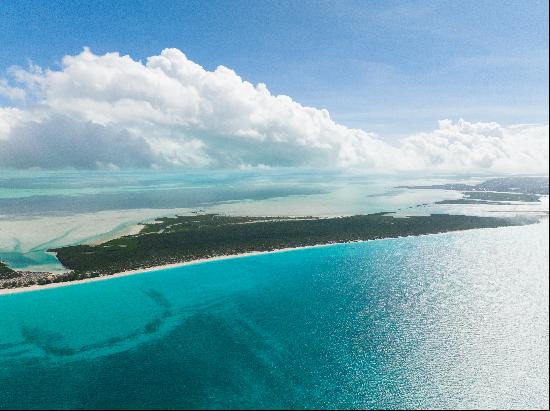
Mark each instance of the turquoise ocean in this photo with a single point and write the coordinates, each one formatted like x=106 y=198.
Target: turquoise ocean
x=437 y=321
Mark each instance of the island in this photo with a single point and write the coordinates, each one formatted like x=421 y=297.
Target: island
x=523 y=185
x=493 y=198
x=187 y=238
x=495 y=191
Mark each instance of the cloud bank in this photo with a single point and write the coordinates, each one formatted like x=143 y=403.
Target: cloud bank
x=111 y=111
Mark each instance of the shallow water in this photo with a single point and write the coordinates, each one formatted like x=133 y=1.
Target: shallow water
x=451 y=320
x=41 y=210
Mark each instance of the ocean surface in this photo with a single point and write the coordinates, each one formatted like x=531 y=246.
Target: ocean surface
x=457 y=320
x=41 y=210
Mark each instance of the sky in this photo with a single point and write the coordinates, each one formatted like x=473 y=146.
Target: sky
x=403 y=73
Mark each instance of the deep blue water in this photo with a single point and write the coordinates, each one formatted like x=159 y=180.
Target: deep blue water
x=452 y=320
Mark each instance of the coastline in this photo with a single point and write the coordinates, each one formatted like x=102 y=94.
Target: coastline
x=37 y=287
x=40 y=287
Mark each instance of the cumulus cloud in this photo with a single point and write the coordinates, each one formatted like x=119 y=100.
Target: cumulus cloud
x=461 y=145
x=111 y=111
x=13 y=93
x=63 y=142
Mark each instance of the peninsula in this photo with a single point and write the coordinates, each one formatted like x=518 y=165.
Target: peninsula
x=180 y=239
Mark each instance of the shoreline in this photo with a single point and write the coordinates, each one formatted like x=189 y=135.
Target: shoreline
x=40 y=287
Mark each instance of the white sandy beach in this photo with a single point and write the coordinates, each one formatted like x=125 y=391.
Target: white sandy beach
x=6 y=291
x=37 y=287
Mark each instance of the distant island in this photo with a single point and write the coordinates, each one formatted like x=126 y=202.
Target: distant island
x=182 y=239
x=523 y=185
x=495 y=191
x=491 y=197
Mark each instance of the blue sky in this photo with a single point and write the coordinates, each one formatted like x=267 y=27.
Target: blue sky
x=389 y=67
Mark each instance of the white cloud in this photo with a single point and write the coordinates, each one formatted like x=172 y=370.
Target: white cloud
x=481 y=146
x=111 y=111
x=13 y=93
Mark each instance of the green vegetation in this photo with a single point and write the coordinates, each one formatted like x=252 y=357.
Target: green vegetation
x=496 y=191
x=523 y=185
x=490 y=197
x=6 y=272
x=185 y=238
x=493 y=196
